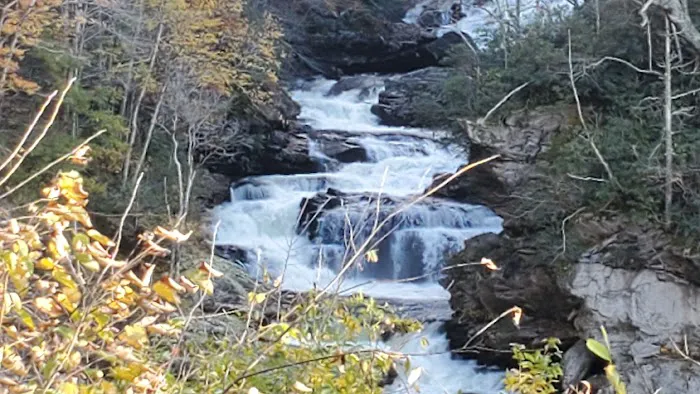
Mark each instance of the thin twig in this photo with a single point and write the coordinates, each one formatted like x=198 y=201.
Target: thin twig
x=52 y=164
x=41 y=136
x=483 y=120
x=489 y=325
x=126 y=213
x=20 y=144
x=600 y=157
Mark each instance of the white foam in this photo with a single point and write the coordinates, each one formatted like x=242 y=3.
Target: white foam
x=263 y=214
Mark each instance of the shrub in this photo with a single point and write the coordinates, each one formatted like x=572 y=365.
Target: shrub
x=73 y=315
x=538 y=370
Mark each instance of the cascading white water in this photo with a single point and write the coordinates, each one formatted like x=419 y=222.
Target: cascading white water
x=263 y=216
x=484 y=17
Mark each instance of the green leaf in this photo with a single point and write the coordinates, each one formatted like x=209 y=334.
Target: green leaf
x=599 y=349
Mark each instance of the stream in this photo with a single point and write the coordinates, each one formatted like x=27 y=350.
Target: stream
x=262 y=219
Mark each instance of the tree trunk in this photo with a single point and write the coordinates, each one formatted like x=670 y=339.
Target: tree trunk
x=677 y=12
x=668 y=128
x=149 y=134
x=137 y=109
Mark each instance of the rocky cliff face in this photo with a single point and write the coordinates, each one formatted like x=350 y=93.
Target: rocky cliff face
x=335 y=38
x=629 y=278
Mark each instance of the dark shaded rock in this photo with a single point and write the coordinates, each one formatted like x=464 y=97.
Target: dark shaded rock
x=280 y=109
x=214 y=189
x=279 y=152
x=478 y=185
x=401 y=102
x=577 y=364
x=478 y=296
x=363 y=82
x=519 y=141
x=431 y=18
x=231 y=290
x=340 y=146
x=340 y=38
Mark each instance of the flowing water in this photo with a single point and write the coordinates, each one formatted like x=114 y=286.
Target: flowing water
x=263 y=215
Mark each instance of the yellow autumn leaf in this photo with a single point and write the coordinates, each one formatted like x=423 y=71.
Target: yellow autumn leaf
x=206 y=268
x=154 y=249
x=10 y=301
x=69 y=388
x=64 y=278
x=207 y=286
x=48 y=305
x=489 y=264
x=99 y=237
x=58 y=246
x=26 y=318
x=88 y=262
x=129 y=373
x=172 y=235
x=80 y=156
x=14 y=226
x=256 y=298
x=371 y=256
x=164 y=329
x=45 y=264
x=189 y=286
x=166 y=292
x=517 y=315
x=134 y=335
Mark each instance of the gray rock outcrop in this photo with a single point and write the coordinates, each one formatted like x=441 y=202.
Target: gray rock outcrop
x=628 y=277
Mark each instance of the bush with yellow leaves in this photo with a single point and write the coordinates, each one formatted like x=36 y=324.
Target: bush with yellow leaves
x=73 y=315
x=76 y=319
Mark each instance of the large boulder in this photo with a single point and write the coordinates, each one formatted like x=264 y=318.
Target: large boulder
x=339 y=146
x=278 y=152
x=479 y=296
x=403 y=99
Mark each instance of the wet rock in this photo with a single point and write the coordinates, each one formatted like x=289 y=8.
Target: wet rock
x=432 y=18
x=280 y=152
x=577 y=364
x=400 y=104
x=366 y=84
x=478 y=296
x=340 y=146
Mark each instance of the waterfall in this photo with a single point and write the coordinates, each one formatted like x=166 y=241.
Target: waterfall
x=263 y=219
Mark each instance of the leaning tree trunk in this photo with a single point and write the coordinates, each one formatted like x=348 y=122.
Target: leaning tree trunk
x=677 y=12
